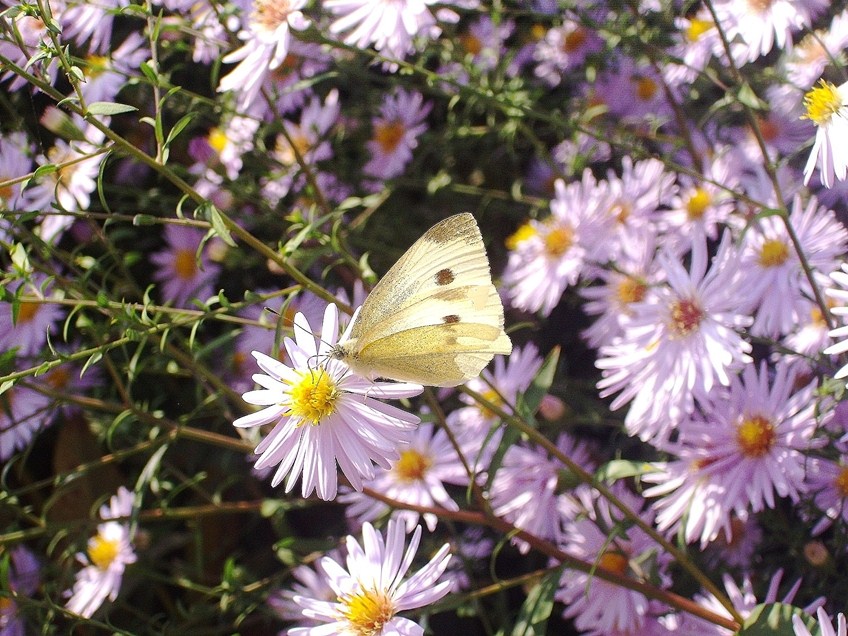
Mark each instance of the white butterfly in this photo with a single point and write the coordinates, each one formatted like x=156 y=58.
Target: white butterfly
x=435 y=318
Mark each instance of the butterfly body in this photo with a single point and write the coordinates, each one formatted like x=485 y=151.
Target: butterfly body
x=435 y=318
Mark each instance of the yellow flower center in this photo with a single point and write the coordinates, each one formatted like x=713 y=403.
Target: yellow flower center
x=7 y=607
x=630 y=290
x=646 y=88
x=537 y=32
x=367 y=612
x=621 y=211
x=471 y=43
x=389 y=134
x=314 y=397
x=614 y=562
x=271 y=14
x=96 y=65
x=58 y=378
x=773 y=253
x=492 y=397
x=756 y=436
x=523 y=233
x=558 y=241
x=102 y=551
x=686 y=316
x=574 y=40
x=185 y=264
x=841 y=482
x=822 y=103
x=697 y=204
x=217 y=140
x=5 y=192
x=412 y=466
x=285 y=151
x=697 y=27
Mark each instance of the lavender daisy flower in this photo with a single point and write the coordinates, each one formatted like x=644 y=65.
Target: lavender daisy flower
x=266 y=43
x=748 y=447
x=415 y=478
x=679 y=343
x=107 y=556
x=14 y=162
x=372 y=589
x=828 y=480
x=23 y=580
x=396 y=133
x=28 y=331
x=597 y=606
x=182 y=277
x=825 y=625
x=323 y=414
x=827 y=108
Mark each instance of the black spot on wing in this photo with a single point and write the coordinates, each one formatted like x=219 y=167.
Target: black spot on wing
x=444 y=277
x=450 y=319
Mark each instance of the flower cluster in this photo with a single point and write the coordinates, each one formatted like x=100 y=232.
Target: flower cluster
x=194 y=197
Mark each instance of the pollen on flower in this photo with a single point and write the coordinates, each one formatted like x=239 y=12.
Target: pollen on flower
x=217 y=139
x=313 y=397
x=841 y=482
x=412 y=466
x=389 y=134
x=697 y=204
x=773 y=253
x=646 y=88
x=523 y=233
x=822 y=103
x=558 y=241
x=630 y=290
x=755 y=436
x=102 y=551
x=621 y=211
x=574 y=40
x=614 y=562
x=368 y=612
x=26 y=312
x=185 y=264
x=286 y=151
x=697 y=28
x=270 y=14
x=96 y=64
x=493 y=397
x=686 y=316
x=471 y=43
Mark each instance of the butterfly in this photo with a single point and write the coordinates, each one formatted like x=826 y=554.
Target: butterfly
x=435 y=318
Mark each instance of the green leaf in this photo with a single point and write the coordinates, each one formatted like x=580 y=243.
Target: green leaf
x=529 y=403
x=533 y=617
x=109 y=108
x=772 y=619
x=211 y=213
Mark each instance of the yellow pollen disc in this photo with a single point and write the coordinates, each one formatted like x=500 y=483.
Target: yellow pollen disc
x=574 y=40
x=389 y=134
x=822 y=103
x=646 y=88
x=185 y=264
x=755 y=436
x=97 y=64
x=773 y=253
x=412 y=466
x=271 y=14
x=841 y=482
x=810 y=49
x=217 y=139
x=537 y=32
x=6 y=606
x=686 y=316
x=102 y=551
x=761 y=6
x=285 y=152
x=697 y=204
x=630 y=290
x=368 y=612
x=26 y=312
x=494 y=398
x=621 y=211
x=471 y=43
x=614 y=562
x=697 y=28
x=5 y=191
x=523 y=233
x=558 y=241
x=313 y=397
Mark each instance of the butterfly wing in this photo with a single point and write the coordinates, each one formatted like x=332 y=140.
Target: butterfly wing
x=435 y=355
x=435 y=318
x=444 y=271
